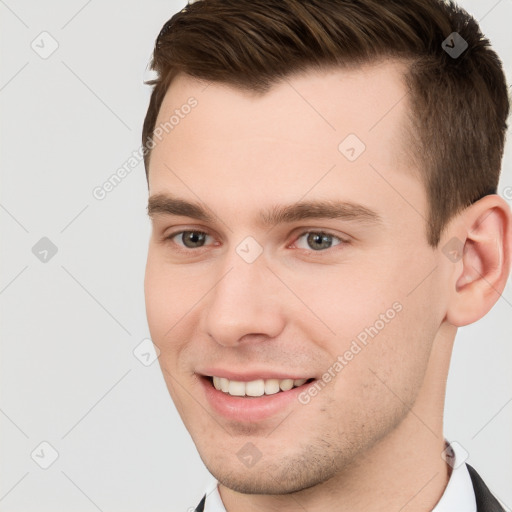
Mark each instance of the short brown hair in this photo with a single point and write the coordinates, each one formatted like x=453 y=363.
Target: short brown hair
x=458 y=106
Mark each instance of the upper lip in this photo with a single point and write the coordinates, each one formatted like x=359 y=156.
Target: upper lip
x=248 y=376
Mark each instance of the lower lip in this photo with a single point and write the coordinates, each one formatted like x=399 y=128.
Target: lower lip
x=250 y=409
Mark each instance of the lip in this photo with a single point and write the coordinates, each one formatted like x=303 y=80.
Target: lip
x=249 y=376
x=250 y=409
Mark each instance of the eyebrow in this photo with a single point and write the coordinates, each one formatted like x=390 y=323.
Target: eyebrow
x=165 y=204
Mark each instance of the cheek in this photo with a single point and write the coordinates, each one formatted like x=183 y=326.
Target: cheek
x=158 y=298
x=170 y=296
x=174 y=296
x=338 y=304
x=388 y=370
x=376 y=383
x=166 y=304
x=377 y=331
x=163 y=310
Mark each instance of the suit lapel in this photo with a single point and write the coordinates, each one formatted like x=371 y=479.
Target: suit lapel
x=200 y=507
x=485 y=501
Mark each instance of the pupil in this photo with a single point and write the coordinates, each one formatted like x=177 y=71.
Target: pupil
x=319 y=241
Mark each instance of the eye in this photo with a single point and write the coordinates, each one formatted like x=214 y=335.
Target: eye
x=317 y=240
x=189 y=239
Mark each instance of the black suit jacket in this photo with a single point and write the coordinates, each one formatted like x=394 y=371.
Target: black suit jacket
x=485 y=501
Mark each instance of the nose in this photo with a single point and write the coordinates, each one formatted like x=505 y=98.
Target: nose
x=245 y=305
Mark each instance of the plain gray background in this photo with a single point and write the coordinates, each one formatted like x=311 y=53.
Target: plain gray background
x=71 y=323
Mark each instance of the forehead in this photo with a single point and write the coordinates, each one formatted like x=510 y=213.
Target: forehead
x=333 y=133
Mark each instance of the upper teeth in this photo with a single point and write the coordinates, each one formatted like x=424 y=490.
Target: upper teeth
x=258 y=387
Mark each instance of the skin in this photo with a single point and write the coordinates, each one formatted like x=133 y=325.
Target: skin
x=372 y=438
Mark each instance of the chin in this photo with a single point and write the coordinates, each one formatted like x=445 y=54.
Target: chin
x=286 y=476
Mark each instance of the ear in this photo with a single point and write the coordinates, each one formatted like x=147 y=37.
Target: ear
x=483 y=238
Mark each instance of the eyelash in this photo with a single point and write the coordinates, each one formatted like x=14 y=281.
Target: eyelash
x=298 y=237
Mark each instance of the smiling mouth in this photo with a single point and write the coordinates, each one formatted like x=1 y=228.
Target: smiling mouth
x=255 y=388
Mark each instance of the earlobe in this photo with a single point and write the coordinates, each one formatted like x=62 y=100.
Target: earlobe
x=484 y=231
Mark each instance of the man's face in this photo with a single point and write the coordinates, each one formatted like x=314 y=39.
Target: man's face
x=248 y=296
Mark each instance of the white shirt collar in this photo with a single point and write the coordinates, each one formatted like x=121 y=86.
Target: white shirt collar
x=213 y=502
x=458 y=496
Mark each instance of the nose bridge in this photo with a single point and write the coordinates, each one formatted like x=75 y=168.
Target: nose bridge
x=243 y=300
